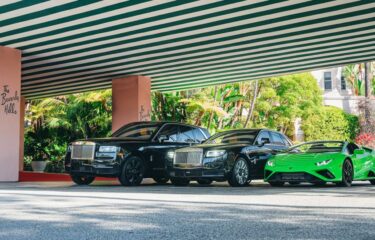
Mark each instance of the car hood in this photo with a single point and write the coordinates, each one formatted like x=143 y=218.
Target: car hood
x=298 y=159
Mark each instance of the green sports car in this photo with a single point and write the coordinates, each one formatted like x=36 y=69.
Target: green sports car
x=322 y=162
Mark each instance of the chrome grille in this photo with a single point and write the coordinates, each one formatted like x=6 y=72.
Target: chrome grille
x=188 y=157
x=83 y=151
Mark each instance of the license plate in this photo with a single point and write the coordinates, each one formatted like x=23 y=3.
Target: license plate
x=293 y=176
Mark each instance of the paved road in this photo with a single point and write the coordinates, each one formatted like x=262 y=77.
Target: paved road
x=109 y=211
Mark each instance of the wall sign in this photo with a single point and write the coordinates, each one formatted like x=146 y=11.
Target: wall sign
x=144 y=115
x=8 y=100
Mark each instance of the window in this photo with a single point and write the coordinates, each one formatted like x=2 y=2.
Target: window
x=186 y=135
x=169 y=131
x=199 y=135
x=246 y=137
x=285 y=140
x=327 y=81
x=351 y=147
x=318 y=147
x=276 y=139
x=140 y=131
x=343 y=83
x=262 y=134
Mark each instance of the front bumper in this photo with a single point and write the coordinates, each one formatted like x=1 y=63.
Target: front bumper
x=197 y=173
x=79 y=167
x=301 y=175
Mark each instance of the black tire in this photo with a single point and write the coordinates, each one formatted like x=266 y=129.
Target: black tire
x=347 y=174
x=294 y=183
x=82 y=180
x=132 y=172
x=204 y=181
x=182 y=182
x=372 y=182
x=161 y=180
x=240 y=176
x=276 y=184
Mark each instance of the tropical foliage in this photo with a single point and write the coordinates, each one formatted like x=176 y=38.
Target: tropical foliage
x=274 y=103
x=355 y=76
x=54 y=122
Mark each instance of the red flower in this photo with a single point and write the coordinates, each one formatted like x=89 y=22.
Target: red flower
x=366 y=139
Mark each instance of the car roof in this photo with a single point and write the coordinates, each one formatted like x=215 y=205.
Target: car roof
x=161 y=123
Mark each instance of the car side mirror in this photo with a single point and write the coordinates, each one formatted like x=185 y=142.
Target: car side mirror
x=163 y=138
x=359 y=151
x=264 y=141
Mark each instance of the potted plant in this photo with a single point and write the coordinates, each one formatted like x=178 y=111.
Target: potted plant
x=39 y=164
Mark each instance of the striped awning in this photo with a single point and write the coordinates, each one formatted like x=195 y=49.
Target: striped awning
x=73 y=46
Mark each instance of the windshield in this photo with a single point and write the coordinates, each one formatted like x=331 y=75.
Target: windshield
x=246 y=137
x=142 y=131
x=317 y=147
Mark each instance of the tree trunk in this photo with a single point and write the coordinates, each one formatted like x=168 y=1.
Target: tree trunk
x=367 y=110
x=368 y=78
x=212 y=113
x=252 y=105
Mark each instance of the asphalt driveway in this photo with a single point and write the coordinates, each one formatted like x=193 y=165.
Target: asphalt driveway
x=109 y=211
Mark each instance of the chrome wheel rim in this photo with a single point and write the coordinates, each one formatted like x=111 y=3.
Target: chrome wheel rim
x=241 y=172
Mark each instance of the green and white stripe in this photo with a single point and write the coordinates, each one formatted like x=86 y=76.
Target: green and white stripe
x=73 y=46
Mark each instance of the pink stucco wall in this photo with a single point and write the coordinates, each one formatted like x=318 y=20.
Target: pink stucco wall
x=131 y=100
x=10 y=100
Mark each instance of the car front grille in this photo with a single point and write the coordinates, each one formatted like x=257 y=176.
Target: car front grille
x=83 y=151
x=188 y=157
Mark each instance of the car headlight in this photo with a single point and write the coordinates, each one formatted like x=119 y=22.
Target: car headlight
x=323 y=163
x=215 y=153
x=170 y=155
x=271 y=163
x=108 y=149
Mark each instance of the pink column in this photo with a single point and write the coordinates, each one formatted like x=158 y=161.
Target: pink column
x=131 y=99
x=10 y=114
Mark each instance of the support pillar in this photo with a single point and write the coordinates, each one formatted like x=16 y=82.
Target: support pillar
x=11 y=129
x=131 y=100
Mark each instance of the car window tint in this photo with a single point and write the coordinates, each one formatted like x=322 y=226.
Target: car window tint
x=262 y=134
x=199 y=135
x=352 y=147
x=276 y=139
x=284 y=139
x=186 y=135
x=170 y=131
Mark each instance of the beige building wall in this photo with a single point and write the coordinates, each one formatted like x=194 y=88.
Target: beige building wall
x=10 y=114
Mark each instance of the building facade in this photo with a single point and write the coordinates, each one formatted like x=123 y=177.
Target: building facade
x=336 y=90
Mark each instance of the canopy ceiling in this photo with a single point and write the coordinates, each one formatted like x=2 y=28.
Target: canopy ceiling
x=73 y=46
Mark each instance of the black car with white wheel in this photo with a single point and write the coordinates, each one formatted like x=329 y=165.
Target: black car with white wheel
x=236 y=156
x=134 y=152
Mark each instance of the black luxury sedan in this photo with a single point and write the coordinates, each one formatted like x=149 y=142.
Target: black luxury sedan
x=236 y=156
x=136 y=151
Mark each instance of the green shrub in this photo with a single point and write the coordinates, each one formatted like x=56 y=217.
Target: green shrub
x=330 y=123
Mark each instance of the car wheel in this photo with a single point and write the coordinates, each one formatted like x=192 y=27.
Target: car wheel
x=240 y=174
x=204 y=181
x=276 y=184
x=294 y=183
x=82 y=180
x=161 y=180
x=347 y=174
x=132 y=172
x=180 y=181
x=372 y=182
